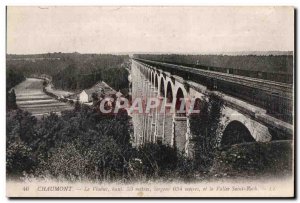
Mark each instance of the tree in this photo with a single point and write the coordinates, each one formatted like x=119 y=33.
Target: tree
x=77 y=105
x=19 y=154
x=204 y=135
x=11 y=100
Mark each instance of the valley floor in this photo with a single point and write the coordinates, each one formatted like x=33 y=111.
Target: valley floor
x=30 y=97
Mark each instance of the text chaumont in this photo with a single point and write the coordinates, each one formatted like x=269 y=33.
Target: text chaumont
x=54 y=188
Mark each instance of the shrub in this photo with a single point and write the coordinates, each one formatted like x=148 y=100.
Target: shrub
x=157 y=159
x=66 y=162
x=19 y=158
x=204 y=135
x=255 y=158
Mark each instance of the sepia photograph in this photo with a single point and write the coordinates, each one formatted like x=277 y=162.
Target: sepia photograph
x=150 y=101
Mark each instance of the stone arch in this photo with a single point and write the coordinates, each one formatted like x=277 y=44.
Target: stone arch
x=196 y=106
x=236 y=133
x=169 y=92
x=195 y=97
x=180 y=102
x=161 y=85
x=258 y=131
x=159 y=114
x=194 y=118
x=194 y=123
x=156 y=77
x=180 y=135
x=149 y=74
x=152 y=77
x=168 y=115
x=180 y=105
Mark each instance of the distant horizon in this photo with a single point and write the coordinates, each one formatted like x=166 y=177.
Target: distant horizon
x=163 y=53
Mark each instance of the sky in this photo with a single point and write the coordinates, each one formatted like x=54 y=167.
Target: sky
x=32 y=30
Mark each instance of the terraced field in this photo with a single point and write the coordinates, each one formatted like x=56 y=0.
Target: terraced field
x=30 y=97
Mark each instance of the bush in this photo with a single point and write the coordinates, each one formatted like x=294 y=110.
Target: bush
x=19 y=158
x=157 y=159
x=154 y=161
x=255 y=159
x=204 y=135
x=79 y=144
x=66 y=162
x=20 y=134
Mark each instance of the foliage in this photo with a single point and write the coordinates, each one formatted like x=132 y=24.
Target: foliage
x=204 y=135
x=20 y=124
x=67 y=162
x=12 y=79
x=11 y=102
x=73 y=71
x=80 y=143
x=19 y=154
x=83 y=144
x=157 y=159
x=255 y=158
x=154 y=161
x=19 y=157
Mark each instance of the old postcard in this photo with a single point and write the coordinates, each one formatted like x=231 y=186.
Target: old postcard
x=150 y=101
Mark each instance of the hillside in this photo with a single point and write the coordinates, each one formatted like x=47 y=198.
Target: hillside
x=282 y=63
x=74 y=71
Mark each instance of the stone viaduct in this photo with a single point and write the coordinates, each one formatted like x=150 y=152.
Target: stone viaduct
x=242 y=111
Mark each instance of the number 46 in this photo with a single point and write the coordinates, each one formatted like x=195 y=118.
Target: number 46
x=26 y=188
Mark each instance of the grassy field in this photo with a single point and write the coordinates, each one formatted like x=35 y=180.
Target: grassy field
x=30 y=97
